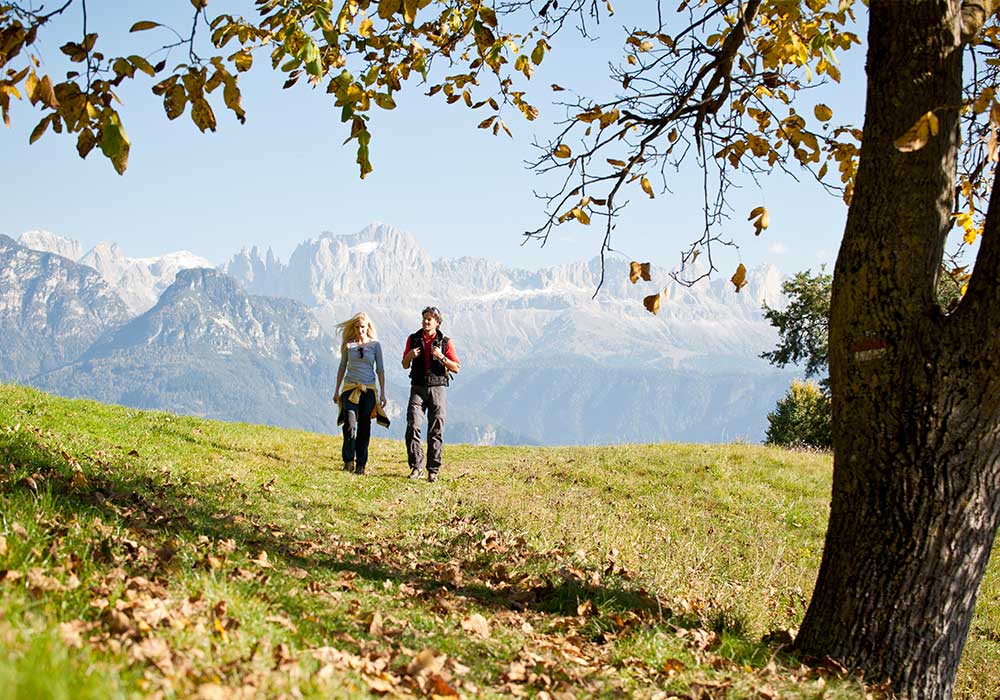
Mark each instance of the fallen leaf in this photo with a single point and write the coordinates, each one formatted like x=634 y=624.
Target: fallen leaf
x=427 y=661
x=441 y=689
x=375 y=625
x=283 y=621
x=380 y=684
x=261 y=560
x=72 y=633
x=477 y=624
x=213 y=691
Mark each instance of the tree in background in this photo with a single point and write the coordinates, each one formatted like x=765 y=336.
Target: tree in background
x=804 y=416
x=803 y=325
x=915 y=390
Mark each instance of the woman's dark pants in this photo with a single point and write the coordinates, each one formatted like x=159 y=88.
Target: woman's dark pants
x=358 y=429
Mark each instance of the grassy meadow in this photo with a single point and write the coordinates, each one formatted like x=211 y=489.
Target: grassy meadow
x=144 y=554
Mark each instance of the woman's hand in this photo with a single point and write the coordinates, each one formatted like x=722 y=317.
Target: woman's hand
x=382 y=401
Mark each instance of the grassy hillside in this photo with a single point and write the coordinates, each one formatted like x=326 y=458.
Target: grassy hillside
x=149 y=555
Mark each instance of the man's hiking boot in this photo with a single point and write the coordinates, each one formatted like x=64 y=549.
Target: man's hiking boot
x=360 y=471
x=349 y=466
x=432 y=477
x=416 y=473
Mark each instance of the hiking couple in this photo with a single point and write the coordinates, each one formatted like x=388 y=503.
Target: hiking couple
x=430 y=357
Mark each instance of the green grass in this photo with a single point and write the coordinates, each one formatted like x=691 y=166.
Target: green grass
x=146 y=554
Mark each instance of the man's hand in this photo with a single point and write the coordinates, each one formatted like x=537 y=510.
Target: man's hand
x=414 y=353
x=436 y=353
x=382 y=401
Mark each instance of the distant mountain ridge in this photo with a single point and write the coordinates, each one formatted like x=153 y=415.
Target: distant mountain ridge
x=51 y=310
x=207 y=348
x=543 y=361
x=508 y=313
x=138 y=281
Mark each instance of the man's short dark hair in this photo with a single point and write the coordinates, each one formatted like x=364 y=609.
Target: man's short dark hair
x=433 y=311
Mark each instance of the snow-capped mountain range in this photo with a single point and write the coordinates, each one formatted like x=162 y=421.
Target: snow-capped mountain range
x=541 y=357
x=138 y=281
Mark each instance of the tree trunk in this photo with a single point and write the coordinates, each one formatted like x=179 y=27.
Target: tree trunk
x=916 y=395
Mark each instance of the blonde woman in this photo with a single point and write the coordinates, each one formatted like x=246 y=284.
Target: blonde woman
x=360 y=364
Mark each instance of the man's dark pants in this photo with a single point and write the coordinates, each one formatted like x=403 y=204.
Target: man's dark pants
x=429 y=399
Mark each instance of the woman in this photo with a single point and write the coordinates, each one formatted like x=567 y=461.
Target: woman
x=360 y=364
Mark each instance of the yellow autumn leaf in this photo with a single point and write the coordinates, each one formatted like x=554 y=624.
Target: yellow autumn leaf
x=760 y=219
x=647 y=187
x=917 y=136
x=581 y=216
x=637 y=270
x=739 y=278
x=652 y=303
x=365 y=28
x=562 y=151
x=823 y=113
x=409 y=11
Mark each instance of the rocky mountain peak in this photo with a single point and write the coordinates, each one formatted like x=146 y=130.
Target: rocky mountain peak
x=49 y=242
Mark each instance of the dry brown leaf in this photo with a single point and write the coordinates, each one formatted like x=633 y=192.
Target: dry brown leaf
x=440 y=689
x=72 y=633
x=38 y=580
x=375 y=624
x=155 y=651
x=517 y=672
x=213 y=691
x=477 y=624
x=10 y=575
x=262 y=561
x=426 y=662
x=918 y=135
x=652 y=303
x=739 y=278
x=380 y=684
x=283 y=621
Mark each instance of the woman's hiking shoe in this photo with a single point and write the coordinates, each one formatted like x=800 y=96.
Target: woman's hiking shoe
x=349 y=466
x=360 y=471
x=416 y=473
x=432 y=477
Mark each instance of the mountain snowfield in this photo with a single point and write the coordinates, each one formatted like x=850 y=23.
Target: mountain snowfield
x=543 y=361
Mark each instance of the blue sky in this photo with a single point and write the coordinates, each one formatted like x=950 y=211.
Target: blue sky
x=285 y=176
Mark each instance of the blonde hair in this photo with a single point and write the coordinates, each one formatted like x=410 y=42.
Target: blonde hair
x=349 y=329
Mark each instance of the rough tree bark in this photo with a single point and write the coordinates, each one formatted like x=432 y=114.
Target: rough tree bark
x=916 y=394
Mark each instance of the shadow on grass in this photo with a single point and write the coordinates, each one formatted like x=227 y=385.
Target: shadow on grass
x=460 y=565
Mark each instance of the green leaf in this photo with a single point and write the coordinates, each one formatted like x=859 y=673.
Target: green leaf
x=385 y=101
x=114 y=144
x=142 y=64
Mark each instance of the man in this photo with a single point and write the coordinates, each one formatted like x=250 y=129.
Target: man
x=430 y=357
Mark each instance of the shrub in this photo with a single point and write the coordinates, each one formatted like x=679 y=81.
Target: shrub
x=802 y=418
